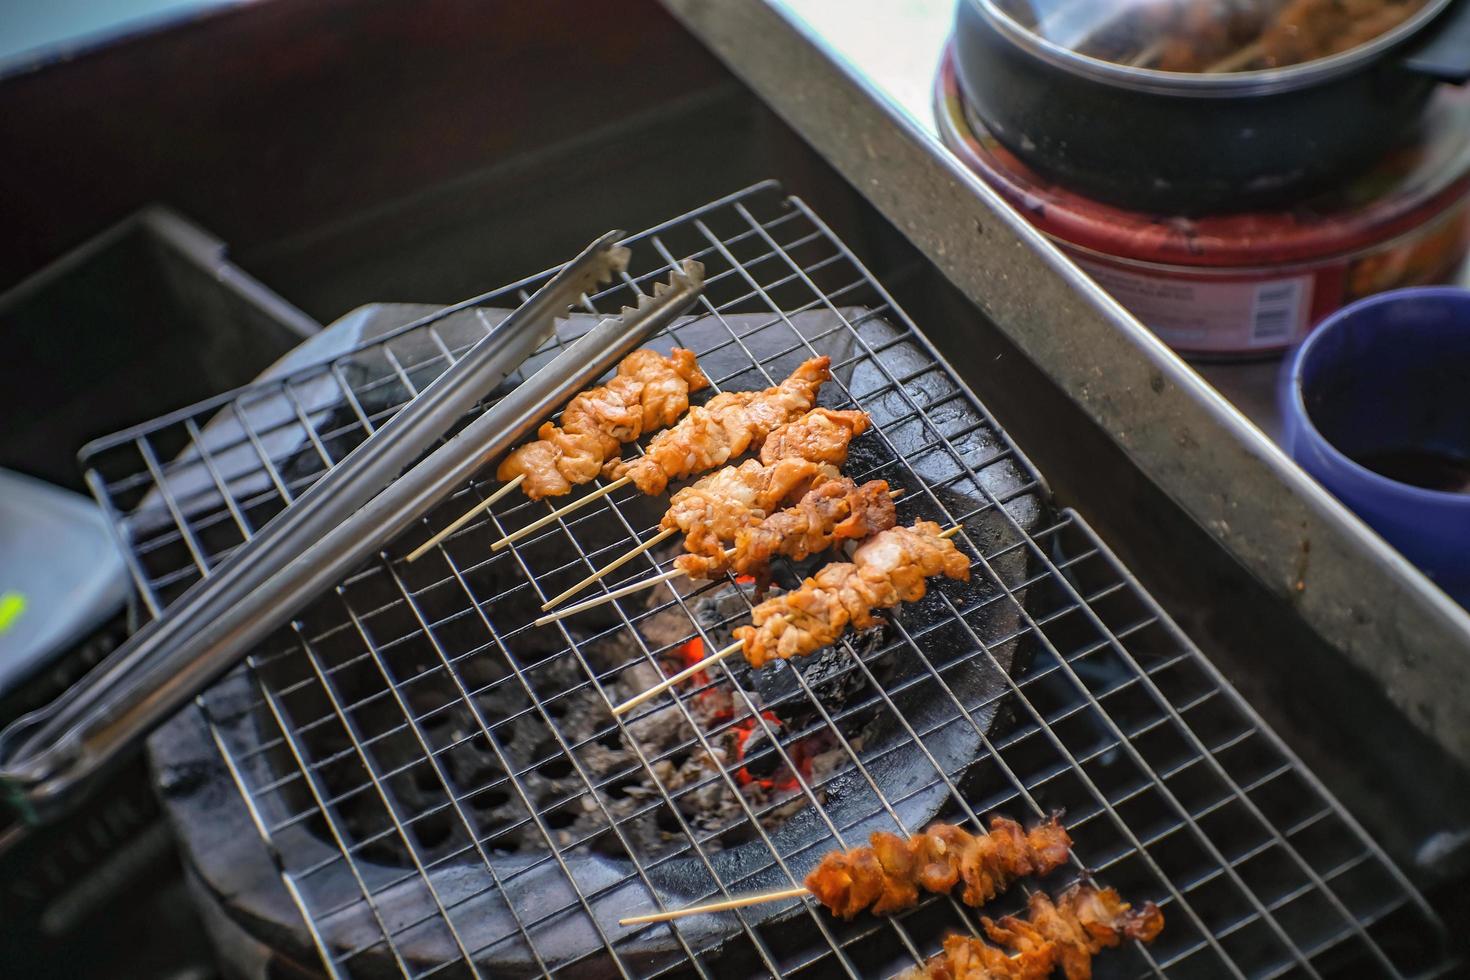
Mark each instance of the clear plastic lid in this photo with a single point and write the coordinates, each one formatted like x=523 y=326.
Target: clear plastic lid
x=1210 y=36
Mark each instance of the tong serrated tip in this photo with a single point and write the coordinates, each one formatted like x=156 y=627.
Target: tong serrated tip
x=683 y=284
x=611 y=262
x=599 y=264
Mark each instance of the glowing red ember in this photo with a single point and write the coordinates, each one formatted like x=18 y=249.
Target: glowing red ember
x=783 y=778
x=692 y=652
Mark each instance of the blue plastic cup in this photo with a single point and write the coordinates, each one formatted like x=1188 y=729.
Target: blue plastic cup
x=1376 y=406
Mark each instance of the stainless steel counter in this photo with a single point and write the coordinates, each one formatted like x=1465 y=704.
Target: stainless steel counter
x=854 y=78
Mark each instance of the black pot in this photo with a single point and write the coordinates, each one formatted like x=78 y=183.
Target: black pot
x=1176 y=143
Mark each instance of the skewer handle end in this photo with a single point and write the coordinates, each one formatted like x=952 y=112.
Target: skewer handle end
x=678 y=678
x=469 y=515
x=725 y=906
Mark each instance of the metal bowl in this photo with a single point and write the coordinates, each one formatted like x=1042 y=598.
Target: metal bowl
x=1194 y=143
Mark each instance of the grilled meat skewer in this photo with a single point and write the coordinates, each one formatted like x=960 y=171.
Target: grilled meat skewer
x=832 y=511
x=886 y=875
x=650 y=391
x=835 y=509
x=731 y=423
x=888 y=569
x=716 y=508
x=719 y=504
x=794 y=458
x=1064 y=934
x=709 y=435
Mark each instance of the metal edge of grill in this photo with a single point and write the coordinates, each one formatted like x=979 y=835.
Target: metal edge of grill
x=1056 y=682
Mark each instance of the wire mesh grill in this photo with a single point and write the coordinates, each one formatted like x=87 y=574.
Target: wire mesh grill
x=445 y=792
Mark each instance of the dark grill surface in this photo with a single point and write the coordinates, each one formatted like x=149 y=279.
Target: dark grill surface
x=445 y=792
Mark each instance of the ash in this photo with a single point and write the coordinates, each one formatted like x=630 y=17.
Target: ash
x=653 y=782
x=715 y=783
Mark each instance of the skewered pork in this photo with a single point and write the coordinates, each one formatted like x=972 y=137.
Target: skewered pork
x=821 y=435
x=1066 y=933
x=832 y=511
x=886 y=875
x=794 y=458
x=729 y=425
x=888 y=569
x=649 y=391
x=713 y=510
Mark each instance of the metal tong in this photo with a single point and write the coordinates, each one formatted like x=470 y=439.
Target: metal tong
x=50 y=757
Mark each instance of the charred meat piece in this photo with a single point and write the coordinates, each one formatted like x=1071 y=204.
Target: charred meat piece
x=886 y=875
x=732 y=423
x=1064 y=934
x=888 y=569
x=649 y=391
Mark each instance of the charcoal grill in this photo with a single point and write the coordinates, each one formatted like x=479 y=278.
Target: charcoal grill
x=433 y=786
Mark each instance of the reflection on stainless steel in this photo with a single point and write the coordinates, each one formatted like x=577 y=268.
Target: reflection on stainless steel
x=1211 y=36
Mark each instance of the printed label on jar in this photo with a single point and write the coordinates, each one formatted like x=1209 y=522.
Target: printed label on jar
x=1197 y=315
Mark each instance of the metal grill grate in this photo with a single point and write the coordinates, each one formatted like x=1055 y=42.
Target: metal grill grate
x=432 y=773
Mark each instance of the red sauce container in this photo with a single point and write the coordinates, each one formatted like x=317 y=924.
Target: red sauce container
x=1252 y=284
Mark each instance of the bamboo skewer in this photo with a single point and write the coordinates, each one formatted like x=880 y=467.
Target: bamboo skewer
x=692 y=377
x=629 y=589
x=800 y=891
x=713 y=658
x=611 y=566
x=538 y=524
x=678 y=678
x=469 y=515
x=596 y=601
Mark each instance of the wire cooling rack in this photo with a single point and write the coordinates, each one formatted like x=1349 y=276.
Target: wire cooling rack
x=443 y=791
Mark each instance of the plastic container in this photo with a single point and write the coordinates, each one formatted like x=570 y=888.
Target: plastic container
x=1252 y=284
x=146 y=316
x=149 y=315
x=61 y=576
x=1386 y=382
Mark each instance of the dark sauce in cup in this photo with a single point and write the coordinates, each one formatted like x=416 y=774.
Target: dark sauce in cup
x=1427 y=468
